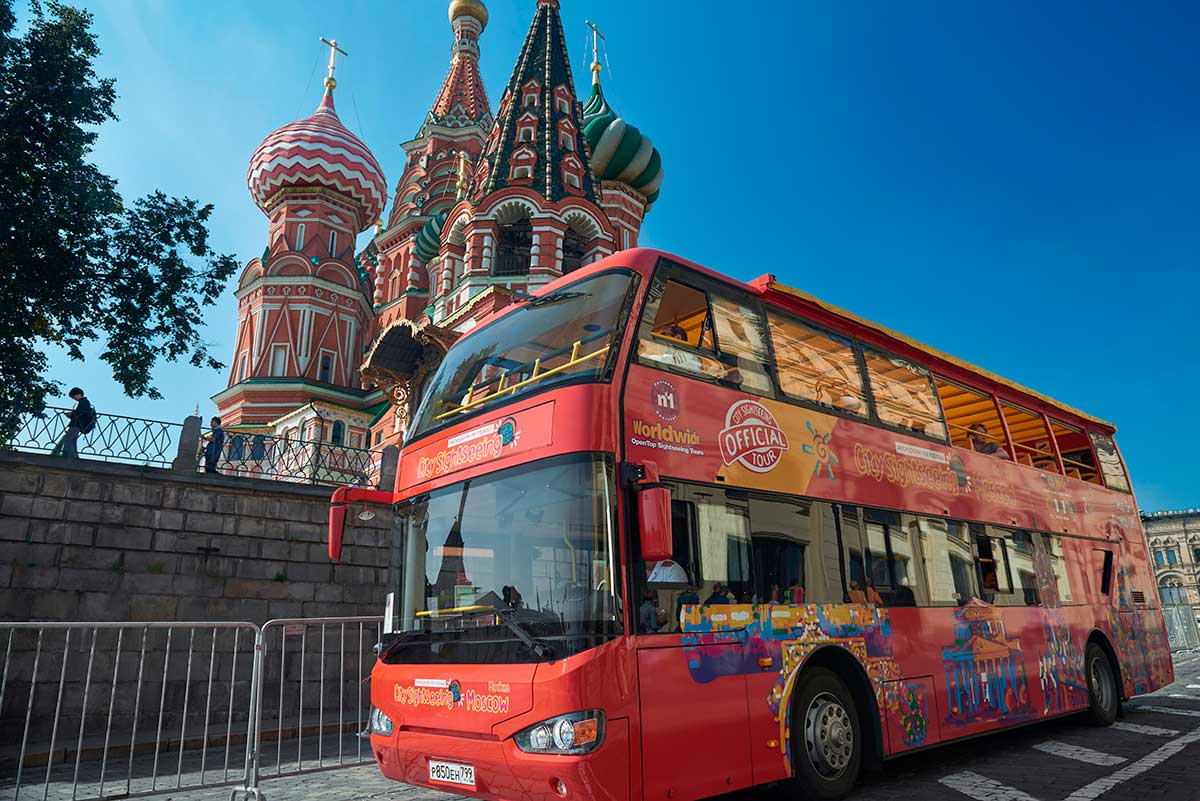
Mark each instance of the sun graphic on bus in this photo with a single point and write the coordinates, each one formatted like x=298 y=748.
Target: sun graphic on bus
x=820 y=448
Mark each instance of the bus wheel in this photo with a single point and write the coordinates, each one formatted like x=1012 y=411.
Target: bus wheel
x=826 y=741
x=1103 y=695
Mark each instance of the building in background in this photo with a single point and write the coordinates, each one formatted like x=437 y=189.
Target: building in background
x=1174 y=538
x=332 y=344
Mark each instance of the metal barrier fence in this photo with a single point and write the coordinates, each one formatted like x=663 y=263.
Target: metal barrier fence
x=1182 y=629
x=104 y=710
x=114 y=438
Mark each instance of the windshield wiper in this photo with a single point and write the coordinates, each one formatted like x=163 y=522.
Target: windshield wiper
x=554 y=297
x=541 y=649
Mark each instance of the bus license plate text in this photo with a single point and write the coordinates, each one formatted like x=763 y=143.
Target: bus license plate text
x=451 y=773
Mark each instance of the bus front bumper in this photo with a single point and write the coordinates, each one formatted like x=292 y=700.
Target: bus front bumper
x=503 y=772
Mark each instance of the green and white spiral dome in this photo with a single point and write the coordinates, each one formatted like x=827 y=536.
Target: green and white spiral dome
x=429 y=238
x=620 y=152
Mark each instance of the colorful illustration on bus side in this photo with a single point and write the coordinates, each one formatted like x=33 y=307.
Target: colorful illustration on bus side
x=1060 y=665
x=985 y=669
x=1060 y=668
x=1141 y=640
x=787 y=634
x=907 y=705
x=820 y=448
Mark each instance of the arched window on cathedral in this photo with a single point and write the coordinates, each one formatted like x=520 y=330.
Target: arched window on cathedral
x=326 y=369
x=513 y=243
x=1172 y=592
x=339 y=432
x=572 y=250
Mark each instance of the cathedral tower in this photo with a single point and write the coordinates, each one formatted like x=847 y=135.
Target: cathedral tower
x=455 y=128
x=304 y=312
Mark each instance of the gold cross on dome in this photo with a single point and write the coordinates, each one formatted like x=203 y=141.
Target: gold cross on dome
x=333 y=51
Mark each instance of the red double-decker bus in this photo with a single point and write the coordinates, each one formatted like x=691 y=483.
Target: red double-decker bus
x=661 y=535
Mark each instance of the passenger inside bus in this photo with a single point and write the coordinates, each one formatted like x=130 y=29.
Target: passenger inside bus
x=981 y=443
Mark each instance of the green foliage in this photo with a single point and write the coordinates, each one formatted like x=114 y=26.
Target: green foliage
x=78 y=265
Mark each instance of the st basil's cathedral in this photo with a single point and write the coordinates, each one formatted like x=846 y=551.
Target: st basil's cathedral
x=333 y=342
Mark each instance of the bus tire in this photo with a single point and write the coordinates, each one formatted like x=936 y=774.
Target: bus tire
x=827 y=743
x=1104 y=698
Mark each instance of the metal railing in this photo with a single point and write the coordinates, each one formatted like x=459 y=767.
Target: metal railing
x=114 y=438
x=103 y=710
x=180 y=446
x=299 y=460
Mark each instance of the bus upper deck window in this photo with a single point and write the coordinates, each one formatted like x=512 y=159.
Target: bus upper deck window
x=816 y=366
x=904 y=394
x=707 y=334
x=1110 y=462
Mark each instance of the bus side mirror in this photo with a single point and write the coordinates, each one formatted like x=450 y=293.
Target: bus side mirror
x=337 y=527
x=654 y=523
x=340 y=503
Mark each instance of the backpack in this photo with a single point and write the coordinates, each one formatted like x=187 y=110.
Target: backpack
x=86 y=426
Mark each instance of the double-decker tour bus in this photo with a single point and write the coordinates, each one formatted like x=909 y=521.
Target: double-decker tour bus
x=661 y=534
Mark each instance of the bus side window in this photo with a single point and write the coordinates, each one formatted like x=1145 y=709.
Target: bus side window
x=949 y=561
x=708 y=334
x=854 y=554
x=790 y=564
x=1023 y=570
x=904 y=394
x=1102 y=566
x=1056 y=587
x=880 y=557
x=993 y=564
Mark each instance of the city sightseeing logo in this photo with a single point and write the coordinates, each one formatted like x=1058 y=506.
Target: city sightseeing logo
x=752 y=437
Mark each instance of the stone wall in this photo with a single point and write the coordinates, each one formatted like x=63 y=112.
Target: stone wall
x=85 y=541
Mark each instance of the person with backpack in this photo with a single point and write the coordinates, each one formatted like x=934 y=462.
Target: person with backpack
x=83 y=420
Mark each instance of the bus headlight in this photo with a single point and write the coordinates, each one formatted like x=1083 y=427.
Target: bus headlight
x=574 y=733
x=380 y=723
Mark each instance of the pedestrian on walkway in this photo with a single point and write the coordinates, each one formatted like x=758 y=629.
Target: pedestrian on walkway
x=215 y=444
x=82 y=421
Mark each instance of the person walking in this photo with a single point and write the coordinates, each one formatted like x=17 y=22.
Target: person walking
x=215 y=444
x=82 y=421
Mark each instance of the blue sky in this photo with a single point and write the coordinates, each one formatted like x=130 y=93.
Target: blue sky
x=1015 y=183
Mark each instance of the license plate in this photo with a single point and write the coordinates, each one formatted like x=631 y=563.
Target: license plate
x=451 y=773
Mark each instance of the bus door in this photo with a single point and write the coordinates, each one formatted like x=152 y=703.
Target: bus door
x=692 y=652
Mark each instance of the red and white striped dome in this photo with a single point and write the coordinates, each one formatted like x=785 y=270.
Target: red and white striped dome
x=319 y=151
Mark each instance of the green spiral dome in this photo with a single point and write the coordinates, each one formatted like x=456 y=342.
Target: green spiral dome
x=429 y=238
x=620 y=152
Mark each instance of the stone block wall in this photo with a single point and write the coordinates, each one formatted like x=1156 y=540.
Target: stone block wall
x=86 y=541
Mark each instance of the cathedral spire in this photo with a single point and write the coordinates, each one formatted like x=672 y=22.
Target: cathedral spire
x=462 y=100
x=537 y=140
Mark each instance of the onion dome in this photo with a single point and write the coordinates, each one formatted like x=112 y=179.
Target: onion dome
x=318 y=151
x=469 y=8
x=620 y=152
x=429 y=238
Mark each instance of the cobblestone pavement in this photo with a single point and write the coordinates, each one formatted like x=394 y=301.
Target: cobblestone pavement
x=1151 y=753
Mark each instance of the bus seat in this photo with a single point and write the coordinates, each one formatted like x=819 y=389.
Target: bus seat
x=1024 y=458
x=1073 y=472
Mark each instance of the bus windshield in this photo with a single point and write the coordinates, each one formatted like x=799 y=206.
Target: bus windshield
x=565 y=335
x=481 y=568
